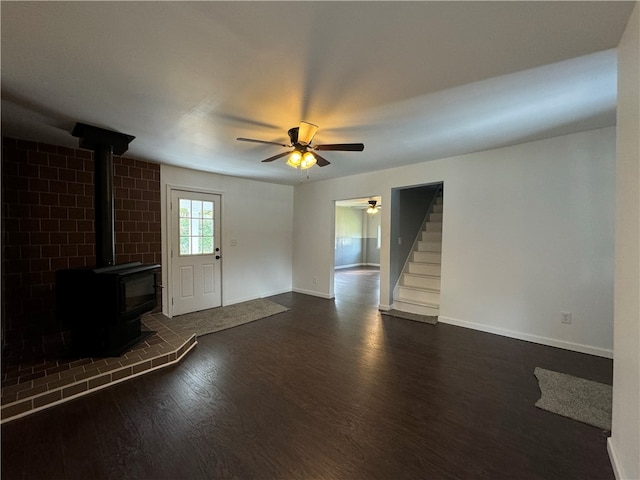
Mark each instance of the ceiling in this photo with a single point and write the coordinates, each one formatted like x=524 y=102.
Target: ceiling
x=413 y=81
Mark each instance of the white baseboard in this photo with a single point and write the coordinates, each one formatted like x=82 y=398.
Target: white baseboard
x=313 y=293
x=613 y=458
x=233 y=301
x=353 y=265
x=552 y=342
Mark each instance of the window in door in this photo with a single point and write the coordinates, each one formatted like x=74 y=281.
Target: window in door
x=196 y=227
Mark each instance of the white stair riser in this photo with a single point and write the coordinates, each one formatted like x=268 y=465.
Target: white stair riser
x=418 y=309
x=429 y=246
x=433 y=227
x=418 y=295
x=426 y=257
x=437 y=208
x=435 y=217
x=421 y=281
x=424 y=268
x=431 y=237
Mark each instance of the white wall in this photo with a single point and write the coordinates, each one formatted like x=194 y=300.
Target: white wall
x=259 y=216
x=624 y=443
x=528 y=233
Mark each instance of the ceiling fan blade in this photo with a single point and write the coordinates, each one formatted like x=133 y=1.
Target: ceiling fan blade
x=275 y=157
x=320 y=161
x=344 y=147
x=242 y=139
x=306 y=131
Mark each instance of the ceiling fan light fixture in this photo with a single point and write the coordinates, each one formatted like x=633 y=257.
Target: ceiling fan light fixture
x=306 y=131
x=308 y=161
x=294 y=159
x=372 y=207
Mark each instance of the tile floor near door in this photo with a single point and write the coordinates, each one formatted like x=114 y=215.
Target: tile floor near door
x=327 y=390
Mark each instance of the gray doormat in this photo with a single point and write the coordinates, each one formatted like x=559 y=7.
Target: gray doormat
x=221 y=318
x=430 y=319
x=583 y=400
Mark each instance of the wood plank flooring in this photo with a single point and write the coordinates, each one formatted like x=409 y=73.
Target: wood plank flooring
x=328 y=390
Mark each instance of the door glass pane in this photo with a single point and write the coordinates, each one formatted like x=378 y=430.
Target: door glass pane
x=196 y=227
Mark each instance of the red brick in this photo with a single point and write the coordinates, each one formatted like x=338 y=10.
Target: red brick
x=128 y=182
x=74 y=163
x=76 y=238
x=38 y=185
x=69 y=250
x=49 y=251
x=50 y=173
x=67 y=200
x=75 y=188
x=142 y=205
x=121 y=170
x=76 y=213
x=59 y=238
x=84 y=177
x=39 y=211
x=68 y=152
x=48 y=198
x=58 y=161
x=59 y=212
x=30 y=251
x=85 y=226
x=84 y=201
x=57 y=186
x=66 y=175
x=85 y=154
x=135 y=194
x=135 y=215
x=37 y=158
x=38 y=238
x=29 y=225
x=68 y=225
x=39 y=264
x=49 y=225
x=142 y=184
x=29 y=198
x=59 y=264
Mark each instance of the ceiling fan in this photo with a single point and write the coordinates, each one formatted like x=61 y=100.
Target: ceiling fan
x=301 y=155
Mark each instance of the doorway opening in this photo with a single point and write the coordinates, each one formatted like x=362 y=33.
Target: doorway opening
x=357 y=250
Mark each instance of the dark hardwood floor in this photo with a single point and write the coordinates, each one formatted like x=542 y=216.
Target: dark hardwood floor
x=328 y=390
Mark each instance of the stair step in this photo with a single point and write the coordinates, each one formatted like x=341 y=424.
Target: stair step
x=415 y=307
x=426 y=257
x=421 y=295
x=421 y=281
x=422 y=268
x=431 y=237
x=437 y=208
x=429 y=246
x=433 y=227
x=435 y=217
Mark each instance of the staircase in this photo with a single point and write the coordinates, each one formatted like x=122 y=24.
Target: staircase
x=418 y=290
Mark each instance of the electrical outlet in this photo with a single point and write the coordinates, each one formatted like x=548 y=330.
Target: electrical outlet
x=565 y=317
x=315 y=280
x=234 y=242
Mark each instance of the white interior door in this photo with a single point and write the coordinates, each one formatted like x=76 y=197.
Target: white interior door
x=195 y=251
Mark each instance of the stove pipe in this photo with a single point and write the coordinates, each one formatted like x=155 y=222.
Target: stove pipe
x=104 y=143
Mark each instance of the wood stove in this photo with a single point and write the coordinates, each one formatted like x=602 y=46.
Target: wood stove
x=102 y=305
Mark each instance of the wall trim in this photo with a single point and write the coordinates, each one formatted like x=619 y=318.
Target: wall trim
x=615 y=464
x=312 y=293
x=233 y=301
x=351 y=265
x=551 y=342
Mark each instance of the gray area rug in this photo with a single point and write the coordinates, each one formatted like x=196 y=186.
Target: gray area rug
x=431 y=320
x=221 y=318
x=583 y=400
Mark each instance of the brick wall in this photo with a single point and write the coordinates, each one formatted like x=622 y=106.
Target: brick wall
x=48 y=225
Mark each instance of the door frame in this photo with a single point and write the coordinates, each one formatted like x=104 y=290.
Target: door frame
x=167 y=305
